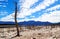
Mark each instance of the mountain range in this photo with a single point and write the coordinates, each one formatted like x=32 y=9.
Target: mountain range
x=28 y=23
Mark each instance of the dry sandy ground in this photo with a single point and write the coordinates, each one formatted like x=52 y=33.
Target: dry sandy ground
x=41 y=33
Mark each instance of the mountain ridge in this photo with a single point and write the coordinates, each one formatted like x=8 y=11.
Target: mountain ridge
x=29 y=23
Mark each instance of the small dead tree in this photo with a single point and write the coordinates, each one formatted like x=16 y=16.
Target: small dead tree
x=16 y=19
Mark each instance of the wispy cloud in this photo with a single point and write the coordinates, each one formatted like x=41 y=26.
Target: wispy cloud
x=25 y=11
x=8 y=18
x=53 y=8
x=2 y=13
x=53 y=17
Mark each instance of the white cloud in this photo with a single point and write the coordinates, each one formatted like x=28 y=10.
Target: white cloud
x=25 y=8
x=53 y=8
x=25 y=11
x=8 y=18
x=28 y=3
x=54 y=17
x=44 y=4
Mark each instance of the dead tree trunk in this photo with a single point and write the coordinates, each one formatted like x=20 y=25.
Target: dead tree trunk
x=16 y=19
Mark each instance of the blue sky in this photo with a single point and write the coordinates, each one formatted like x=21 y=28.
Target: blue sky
x=37 y=10
x=7 y=7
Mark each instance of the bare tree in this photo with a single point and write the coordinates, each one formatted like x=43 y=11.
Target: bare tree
x=16 y=19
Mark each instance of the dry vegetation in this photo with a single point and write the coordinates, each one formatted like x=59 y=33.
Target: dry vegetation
x=34 y=32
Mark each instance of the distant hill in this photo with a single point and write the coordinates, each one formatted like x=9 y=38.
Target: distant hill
x=30 y=23
x=34 y=23
x=1 y=22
